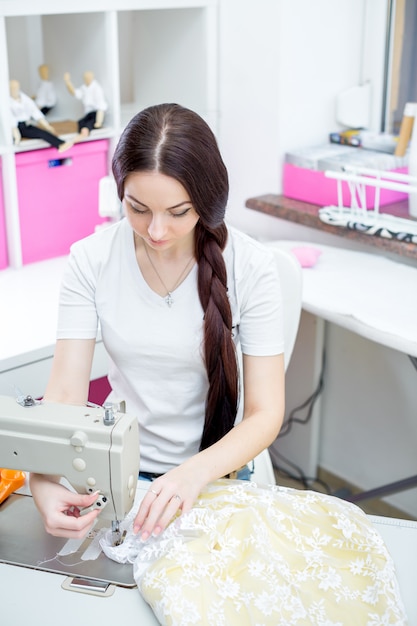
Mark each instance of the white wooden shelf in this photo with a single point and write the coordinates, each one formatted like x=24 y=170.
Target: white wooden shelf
x=141 y=52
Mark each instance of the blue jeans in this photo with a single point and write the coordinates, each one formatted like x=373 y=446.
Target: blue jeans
x=244 y=474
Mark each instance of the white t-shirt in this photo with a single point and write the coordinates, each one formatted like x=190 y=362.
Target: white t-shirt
x=92 y=97
x=156 y=363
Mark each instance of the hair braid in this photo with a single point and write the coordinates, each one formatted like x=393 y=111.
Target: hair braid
x=219 y=349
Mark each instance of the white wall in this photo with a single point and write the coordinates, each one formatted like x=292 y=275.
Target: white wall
x=282 y=64
x=369 y=427
x=249 y=98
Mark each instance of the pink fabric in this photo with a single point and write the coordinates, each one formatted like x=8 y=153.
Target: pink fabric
x=306 y=255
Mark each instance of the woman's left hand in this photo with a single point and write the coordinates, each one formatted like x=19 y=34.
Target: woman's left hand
x=169 y=494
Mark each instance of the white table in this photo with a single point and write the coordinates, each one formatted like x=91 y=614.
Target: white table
x=368 y=294
x=28 y=321
x=39 y=596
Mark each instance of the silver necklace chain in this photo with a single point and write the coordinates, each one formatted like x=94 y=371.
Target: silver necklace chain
x=168 y=298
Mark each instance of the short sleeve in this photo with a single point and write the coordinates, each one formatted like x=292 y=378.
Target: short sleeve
x=78 y=317
x=256 y=297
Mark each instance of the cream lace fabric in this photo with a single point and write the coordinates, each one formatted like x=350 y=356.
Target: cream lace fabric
x=249 y=555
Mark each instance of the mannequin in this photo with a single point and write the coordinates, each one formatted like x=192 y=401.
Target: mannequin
x=45 y=96
x=23 y=111
x=92 y=97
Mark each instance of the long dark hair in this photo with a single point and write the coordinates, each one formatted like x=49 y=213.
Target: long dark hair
x=176 y=142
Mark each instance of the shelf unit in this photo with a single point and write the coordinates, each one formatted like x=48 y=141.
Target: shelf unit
x=141 y=52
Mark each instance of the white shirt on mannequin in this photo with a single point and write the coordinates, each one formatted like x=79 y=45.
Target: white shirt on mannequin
x=45 y=94
x=24 y=109
x=92 y=97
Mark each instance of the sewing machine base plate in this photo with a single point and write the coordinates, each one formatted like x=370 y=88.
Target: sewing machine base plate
x=24 y=542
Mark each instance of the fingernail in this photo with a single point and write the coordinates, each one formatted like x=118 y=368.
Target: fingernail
x=156 y=531
x=144 y=536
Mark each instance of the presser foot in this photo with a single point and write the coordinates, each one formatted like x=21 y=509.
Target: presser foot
x=116 y=535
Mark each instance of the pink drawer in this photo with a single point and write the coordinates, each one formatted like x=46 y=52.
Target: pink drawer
x=314 y=187
x=4 y=261
x=58 y=197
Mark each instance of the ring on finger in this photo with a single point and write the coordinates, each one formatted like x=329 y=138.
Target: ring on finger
x=154 y=492
x=177 y=497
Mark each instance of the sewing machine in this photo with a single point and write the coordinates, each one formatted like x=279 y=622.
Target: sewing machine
x=95 y=448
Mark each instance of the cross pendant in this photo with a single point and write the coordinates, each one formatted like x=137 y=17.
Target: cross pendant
x=168 y=299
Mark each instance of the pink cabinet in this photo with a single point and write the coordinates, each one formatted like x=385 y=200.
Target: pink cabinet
x=58 y=197
x=3 y=241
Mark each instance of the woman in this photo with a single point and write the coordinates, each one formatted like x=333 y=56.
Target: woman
x=177 y=294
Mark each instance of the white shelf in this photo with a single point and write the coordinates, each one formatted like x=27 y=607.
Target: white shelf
x=48 y=7
x=141 y=52
x=29 y=145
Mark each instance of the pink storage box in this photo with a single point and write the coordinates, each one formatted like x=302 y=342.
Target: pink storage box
x=58 y=197
x=313 y=186
x=4 y=260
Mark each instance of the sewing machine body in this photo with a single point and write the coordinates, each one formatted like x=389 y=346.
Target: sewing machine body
x=94 y=448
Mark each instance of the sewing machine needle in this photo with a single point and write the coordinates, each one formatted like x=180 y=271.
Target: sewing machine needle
x=115 y=532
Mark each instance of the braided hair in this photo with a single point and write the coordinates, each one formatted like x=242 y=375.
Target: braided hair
x=175 y=141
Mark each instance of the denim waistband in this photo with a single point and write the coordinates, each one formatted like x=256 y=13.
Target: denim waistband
x=243 y=473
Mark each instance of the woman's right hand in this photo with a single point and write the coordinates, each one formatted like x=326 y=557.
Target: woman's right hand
x=61 y=509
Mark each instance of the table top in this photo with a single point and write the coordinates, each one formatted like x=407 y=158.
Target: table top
x=308 y=215
x=46 y=596
x=366 y=293
x=29 y=311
